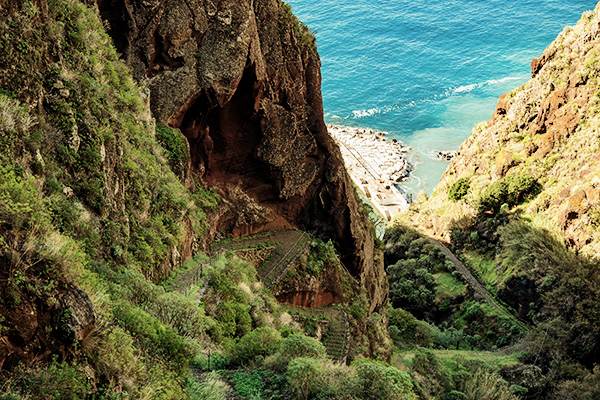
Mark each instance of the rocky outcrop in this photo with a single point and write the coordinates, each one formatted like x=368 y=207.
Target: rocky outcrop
x=78 y=315
x=300 y=289
x=317 y=297
x=241 y=81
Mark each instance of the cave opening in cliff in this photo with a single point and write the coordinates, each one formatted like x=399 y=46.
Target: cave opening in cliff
x=223 y=139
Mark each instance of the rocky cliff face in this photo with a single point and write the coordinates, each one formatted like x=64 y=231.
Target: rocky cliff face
x=241 y=81
x=548 y=129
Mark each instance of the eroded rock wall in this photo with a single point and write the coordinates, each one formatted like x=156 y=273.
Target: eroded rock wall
x=241 y=80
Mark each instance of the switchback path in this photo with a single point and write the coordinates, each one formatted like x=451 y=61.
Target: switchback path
x=289 y=245
x=337 y=337
x=471 y=280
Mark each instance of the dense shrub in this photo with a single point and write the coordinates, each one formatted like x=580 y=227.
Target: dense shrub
x=113 y=355
x=511 y=190
x=230 y=285
x=459 y=189
x=406 y=330
x=297 y=345
x=303 y=374
x=248 y=384
x=233 y=319
x=568 y=284
x=261 y=383
x=538 y=252
x=411 y=262
x=486 y=385
x=53 y=381
x=586 y=387
x=226 y=276
x=256 y=345
x=320 y=254
x=426 y=363
x=379 y=382
x=412 y=286
x=397 y=239
x=336 y=382
x=155 y=337
x=402 y=243
x=455 y=395
x=182 y=313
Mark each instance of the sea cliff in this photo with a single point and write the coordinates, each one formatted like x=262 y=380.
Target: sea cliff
x=241 y=81
x=546 y=128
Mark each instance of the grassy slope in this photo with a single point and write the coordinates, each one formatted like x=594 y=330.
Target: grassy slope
x=89 y=200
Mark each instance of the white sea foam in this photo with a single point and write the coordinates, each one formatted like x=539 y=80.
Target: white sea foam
x=507 y=79
x=490 y=82
x=369 y=112
x=356 y=114
x=366 y=113
x=466 y=88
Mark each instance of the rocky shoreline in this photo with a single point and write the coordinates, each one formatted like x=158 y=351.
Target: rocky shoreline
x=445 y=155
x=375 y=164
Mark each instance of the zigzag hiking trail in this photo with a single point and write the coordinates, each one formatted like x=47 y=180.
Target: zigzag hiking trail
x=287 y=246
x=472 y=280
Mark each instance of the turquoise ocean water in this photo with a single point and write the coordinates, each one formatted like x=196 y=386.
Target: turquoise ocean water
x=428 y=71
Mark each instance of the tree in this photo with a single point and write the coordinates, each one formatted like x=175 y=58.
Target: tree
x=411 y=286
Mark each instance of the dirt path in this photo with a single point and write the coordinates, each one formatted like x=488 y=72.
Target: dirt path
x=471 y=280
x=289 y=245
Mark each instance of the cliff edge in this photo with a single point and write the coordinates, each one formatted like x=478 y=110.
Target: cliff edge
x=241 y=81
x=519 y=203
